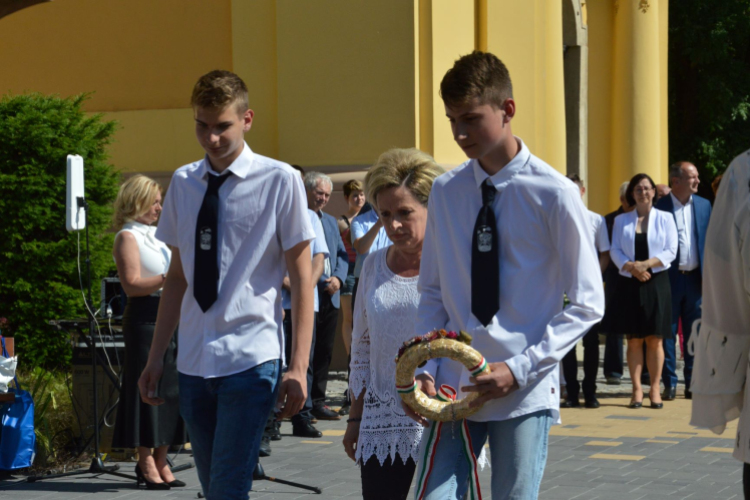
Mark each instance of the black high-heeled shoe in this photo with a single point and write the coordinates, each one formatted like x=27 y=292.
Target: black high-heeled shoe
x=140 y=478
x=176 y=484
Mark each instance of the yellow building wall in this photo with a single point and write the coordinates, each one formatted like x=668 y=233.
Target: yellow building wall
x=602 y=193
x=346 y=80
x=254 y=60
x=135 y=54
x=527 y=36
x=447 y=32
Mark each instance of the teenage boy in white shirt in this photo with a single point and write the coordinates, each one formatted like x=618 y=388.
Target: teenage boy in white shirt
x=544 y=248
x=236 y=221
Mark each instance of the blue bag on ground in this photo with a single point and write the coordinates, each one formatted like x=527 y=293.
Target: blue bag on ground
x=17 y=438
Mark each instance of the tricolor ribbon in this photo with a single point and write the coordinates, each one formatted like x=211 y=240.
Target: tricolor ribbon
x=448 y=393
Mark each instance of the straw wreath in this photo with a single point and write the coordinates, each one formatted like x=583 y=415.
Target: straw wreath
x=437 y=344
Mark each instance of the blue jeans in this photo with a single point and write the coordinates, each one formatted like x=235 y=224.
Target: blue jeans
x=518 y=450
x=225 y=417
x=686 y=305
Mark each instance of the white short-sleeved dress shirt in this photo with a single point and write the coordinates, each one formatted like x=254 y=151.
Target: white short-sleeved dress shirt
x=599 y=231
x=546 y=250
x=360 y=225
x=262 y=214
x=319 y=246
x=683 y=217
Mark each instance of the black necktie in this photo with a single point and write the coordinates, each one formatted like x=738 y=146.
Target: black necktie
x=485 y=260
x=206 y=274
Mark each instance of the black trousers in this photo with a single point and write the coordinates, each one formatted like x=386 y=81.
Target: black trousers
x=590 y=366
x=613 y=356
x=390 y=481
x=746 y=481
x=325 y=336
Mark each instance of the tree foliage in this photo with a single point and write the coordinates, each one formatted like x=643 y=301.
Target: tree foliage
x=709 y=82
x=39 y=279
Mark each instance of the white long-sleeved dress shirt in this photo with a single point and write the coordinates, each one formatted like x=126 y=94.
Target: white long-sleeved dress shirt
x=546 y=250
x=683 y=215
x=262 y=214
x=661 y=235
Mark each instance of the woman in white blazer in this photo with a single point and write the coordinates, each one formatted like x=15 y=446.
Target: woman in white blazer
x=644 y=242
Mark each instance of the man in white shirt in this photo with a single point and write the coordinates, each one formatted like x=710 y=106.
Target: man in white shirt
x=543 y=245
x=691 y=215
x=236 y=222
x=591 y=339
x=319 y=187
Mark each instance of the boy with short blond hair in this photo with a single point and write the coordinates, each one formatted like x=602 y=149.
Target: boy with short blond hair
x=237 y=221
x=497 y=265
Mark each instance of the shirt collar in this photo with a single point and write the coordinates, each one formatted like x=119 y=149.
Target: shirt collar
x=501 y=179
x=138 y=226
x=240 y=166
x=677 y=203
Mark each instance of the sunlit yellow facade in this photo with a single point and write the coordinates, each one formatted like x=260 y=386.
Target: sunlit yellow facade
x=336 y=82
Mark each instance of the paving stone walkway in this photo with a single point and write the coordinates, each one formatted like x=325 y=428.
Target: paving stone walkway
x=610 y=453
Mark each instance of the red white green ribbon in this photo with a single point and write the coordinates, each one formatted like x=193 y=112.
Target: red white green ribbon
x=448 y=393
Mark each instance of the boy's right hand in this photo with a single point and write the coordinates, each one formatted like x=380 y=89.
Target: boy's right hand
x=292 y=394
x=149 y=382
x=426 y=384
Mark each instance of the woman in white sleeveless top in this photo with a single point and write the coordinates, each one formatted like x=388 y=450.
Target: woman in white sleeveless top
x=380 y=435
x=142 y=262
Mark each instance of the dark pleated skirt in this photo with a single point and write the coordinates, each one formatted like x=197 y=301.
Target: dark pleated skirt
x=639 y=309
x=140 y=424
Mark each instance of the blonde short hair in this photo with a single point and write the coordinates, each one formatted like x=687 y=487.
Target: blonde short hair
x=411 y=168
x=220 y=89
x=134 y=199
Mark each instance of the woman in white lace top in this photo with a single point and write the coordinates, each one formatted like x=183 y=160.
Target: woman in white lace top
x=380 y=435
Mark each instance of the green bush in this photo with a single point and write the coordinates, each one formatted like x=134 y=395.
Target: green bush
x=38 y=271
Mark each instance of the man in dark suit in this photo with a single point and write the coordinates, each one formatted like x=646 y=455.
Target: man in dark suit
x=691 y=213
x=319 y=187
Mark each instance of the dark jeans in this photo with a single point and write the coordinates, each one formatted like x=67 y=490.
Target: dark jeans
x=686 y=305
x=390 y=481
x=325 y=335
x=613 y=356
x=304 y=414
x=225 y=417
x=590 y=366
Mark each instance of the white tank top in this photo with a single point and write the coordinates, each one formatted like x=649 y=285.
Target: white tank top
x=155 y=255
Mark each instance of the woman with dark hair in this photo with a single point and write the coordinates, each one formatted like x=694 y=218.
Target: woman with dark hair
x=644 y=242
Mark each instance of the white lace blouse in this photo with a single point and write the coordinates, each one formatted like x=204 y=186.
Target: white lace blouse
x=384 y=317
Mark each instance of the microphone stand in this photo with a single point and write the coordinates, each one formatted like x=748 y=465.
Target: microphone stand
x=97 y=464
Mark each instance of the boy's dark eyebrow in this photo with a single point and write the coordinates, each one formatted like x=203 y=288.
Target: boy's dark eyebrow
x=222 y=124
x=462 y=114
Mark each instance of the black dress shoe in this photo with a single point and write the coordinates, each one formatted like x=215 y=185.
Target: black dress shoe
x=669 y=394
x=570 y=403
x=688 y=394
x=345 y=409
x=306 y=430
x=592 y=403
x=325 y=413
x=265 y=446
x=141 y=478
x=176 y=484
